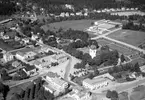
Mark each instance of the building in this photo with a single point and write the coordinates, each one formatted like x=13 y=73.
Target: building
x=43 y=62
x=55 y=82
x=60 y=58
x=16 y=63
x=92 y=51
x=25 y=40
x=8 y=57
x=26 y=53
x=34 y=37
x=78 y=94
x=30 y=70
x=95 y=83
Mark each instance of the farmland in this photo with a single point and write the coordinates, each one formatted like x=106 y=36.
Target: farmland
x=135 y=38
x=74 y=24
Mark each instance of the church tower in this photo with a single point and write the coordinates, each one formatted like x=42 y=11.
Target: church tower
x=92 y=51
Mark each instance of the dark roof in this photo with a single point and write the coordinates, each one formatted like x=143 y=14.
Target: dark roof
x=28 y=68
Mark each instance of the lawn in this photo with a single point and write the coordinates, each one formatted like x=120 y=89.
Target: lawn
x=131 y=37
x=5 y=46
x=74 y=24
x=138 y=93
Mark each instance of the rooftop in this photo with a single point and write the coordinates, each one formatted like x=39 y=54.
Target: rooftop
x=95 y=81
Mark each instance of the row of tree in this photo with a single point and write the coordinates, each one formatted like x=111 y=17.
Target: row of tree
x=35 y=91
x=7 y=7
x=137 y=27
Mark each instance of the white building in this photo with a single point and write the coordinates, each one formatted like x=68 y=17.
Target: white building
x=72 y=14
x=69 y=6
x=62 y=14
x=25 y=55
x=34 y=37
x=79 y=13
x=55 y=82
x=95 y=83
x=85 y=14
x=92 y=51
x=67 y=14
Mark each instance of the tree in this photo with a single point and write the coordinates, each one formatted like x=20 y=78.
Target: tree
x=136 y=67
x=32 y=91
x=112 y=94
x=93 y=42
x=5 y=75
x=122 y=58
x=4 y=89
x=80 y=65
x=26 y=96
x=109 y=94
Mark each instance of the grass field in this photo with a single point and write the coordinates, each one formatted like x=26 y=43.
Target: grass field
x=131 y=37
x=74 y=24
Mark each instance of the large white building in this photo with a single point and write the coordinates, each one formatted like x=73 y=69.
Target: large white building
x=95 y=83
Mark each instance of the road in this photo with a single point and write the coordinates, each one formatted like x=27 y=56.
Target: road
x=103 y=35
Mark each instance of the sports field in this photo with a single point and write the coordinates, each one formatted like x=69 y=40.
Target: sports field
x=73 y=24
x=131 y=37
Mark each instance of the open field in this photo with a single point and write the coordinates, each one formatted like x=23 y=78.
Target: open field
x=131 y=37
x=74 y=24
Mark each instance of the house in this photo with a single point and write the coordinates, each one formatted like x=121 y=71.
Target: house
x=16 y=63
x=95 y=83
x=25 y=40
x=45 y=49
x=55 y=82
x=30 y=70
x=62 y=14
x=5 y=37
x=34 y=37
x=79 y=13
x=72 y=14
x=85 y=14
x=8 y=57
x=17 y=38
x=80 y=95
x=67 y=14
